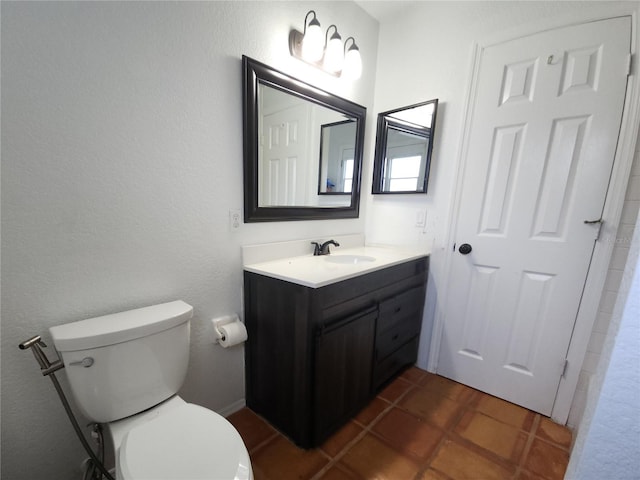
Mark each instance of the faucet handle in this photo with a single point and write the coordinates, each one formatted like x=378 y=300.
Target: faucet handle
x=316 y=248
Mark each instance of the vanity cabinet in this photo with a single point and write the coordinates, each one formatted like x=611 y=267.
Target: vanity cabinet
x=316 y=356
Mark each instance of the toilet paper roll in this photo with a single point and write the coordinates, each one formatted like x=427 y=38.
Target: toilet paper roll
x=232 y=334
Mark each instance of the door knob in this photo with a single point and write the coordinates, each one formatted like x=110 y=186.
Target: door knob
x=465 y=249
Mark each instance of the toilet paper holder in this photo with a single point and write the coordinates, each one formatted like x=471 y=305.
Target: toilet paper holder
x=220 y=322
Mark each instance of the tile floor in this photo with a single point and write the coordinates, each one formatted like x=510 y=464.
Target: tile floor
x=421 y=427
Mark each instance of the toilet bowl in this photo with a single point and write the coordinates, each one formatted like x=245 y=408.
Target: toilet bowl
x=124 y=371
x=183 y=441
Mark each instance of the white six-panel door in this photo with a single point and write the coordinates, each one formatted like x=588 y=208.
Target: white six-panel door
x=544 y=128
x=283 y=168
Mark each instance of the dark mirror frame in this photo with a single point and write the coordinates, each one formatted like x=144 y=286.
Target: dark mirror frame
x=386 y=122
x=255 y=73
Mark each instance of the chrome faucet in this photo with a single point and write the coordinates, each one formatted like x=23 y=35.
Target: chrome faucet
x=323 y=249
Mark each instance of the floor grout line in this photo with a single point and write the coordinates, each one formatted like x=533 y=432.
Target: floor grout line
x=462 y=409
x=527 y=446
x=263 y=443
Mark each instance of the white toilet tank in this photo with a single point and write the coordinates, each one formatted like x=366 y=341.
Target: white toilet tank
x=121 y=364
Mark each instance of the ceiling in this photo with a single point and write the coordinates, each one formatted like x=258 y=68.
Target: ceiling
x=384 y=9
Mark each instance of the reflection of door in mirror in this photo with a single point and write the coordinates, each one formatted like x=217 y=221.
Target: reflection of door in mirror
x=283 y=149
x=336 y=158
x=281 y=173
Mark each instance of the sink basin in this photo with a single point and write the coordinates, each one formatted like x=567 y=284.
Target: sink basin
x=349 y=259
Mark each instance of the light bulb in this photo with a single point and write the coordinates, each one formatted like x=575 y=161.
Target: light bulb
x=352 y=65
x=313 y=42
x=352 y=69
x=334 y=55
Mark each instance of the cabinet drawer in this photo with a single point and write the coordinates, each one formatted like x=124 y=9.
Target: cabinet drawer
x=395 y=309
x=399 y=334
x=374 y=284
x=387 y=368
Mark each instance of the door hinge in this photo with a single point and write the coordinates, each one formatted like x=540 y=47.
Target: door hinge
x=629 y=64
x=564 y=368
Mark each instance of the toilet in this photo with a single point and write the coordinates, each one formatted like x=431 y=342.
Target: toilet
x=124 y=371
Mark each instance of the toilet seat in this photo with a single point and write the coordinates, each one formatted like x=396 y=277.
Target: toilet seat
x=188 y=442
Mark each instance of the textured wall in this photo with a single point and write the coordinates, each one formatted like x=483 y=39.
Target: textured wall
x=121 y=157
x=615 y=274
x=609 y=436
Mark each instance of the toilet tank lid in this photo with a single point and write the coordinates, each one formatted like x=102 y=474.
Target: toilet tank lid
x=119 y=327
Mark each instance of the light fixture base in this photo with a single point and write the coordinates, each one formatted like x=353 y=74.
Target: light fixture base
x=295 y=43
x=295 y=49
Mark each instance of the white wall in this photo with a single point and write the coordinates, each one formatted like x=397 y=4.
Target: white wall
x=122 y=155
x=608 y=440
x=615 y=273
x=427 y=54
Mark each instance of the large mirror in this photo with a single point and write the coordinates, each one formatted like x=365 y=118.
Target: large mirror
x=404 y=142
x=302 y=149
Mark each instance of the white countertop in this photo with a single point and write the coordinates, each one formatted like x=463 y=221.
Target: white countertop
x=319 y=271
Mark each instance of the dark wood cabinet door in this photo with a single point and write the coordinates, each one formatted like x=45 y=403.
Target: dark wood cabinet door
x=343 y=368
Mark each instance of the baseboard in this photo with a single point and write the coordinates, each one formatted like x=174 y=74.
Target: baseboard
x=233 y=408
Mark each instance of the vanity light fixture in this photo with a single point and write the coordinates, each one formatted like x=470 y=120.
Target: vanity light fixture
x=329 y=53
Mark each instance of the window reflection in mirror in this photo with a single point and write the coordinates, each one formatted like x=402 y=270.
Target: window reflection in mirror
x=404 y=143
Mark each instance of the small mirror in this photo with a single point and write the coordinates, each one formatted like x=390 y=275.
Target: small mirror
x=404 y=142
x=337 y=155
x=302 y=149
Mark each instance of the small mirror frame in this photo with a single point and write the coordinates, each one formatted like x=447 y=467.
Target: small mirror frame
x=256 y=73
x=387 y=121
x=320 y=182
